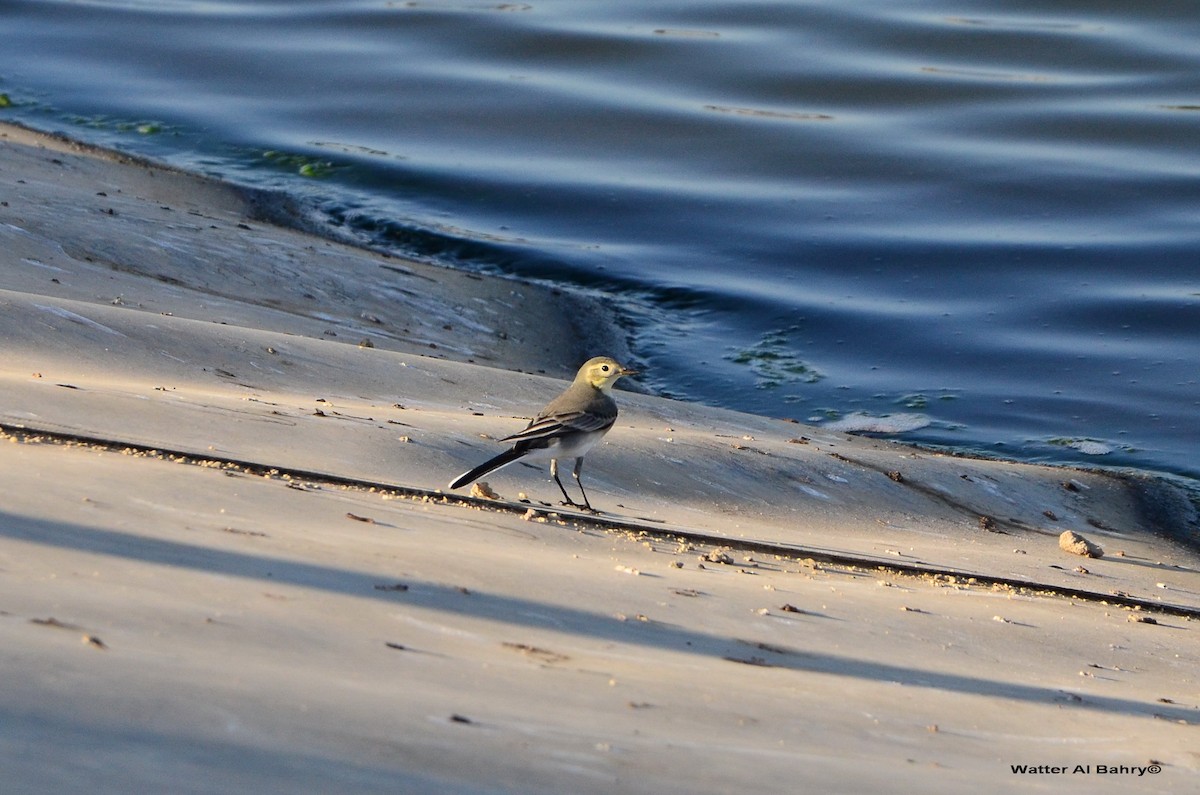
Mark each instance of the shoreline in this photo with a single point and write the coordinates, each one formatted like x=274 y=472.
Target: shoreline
x=156 y=195
x=234 y=565
x=600 y=326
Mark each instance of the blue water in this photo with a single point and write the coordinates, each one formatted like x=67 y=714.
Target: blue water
x=977 y=223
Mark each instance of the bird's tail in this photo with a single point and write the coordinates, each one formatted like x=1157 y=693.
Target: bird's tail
x=504 y=459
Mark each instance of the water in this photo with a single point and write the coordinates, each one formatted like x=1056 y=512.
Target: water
x=974 y=223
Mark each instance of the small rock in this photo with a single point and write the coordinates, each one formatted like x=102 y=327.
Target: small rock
x=1072 y=542
x=718 y=556
x=484 y=491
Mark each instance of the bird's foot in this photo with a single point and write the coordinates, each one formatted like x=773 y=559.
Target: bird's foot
x=584 y=508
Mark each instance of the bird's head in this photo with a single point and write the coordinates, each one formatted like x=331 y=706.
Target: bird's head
x=602 y=372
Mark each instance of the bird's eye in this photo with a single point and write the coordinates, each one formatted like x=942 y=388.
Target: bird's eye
x=605 y=367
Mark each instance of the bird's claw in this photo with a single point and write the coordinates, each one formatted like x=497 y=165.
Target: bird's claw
x=585 y=508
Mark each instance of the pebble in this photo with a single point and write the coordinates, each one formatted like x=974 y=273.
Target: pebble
x=1072 y=542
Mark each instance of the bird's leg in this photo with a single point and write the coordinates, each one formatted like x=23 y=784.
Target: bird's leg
x=587 y=505
x=566 y=497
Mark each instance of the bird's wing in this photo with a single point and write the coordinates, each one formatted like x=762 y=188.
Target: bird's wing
x=549 y=426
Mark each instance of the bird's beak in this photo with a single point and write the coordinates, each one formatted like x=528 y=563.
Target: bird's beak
x=627 y=371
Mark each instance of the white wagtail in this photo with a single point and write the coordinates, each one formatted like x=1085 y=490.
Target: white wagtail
x=567 y=427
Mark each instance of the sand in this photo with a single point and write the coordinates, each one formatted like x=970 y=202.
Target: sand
x=228 y=561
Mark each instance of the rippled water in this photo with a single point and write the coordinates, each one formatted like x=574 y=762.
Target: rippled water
x=973 y=222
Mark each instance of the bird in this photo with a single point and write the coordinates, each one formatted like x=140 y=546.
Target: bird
x=567 y=427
